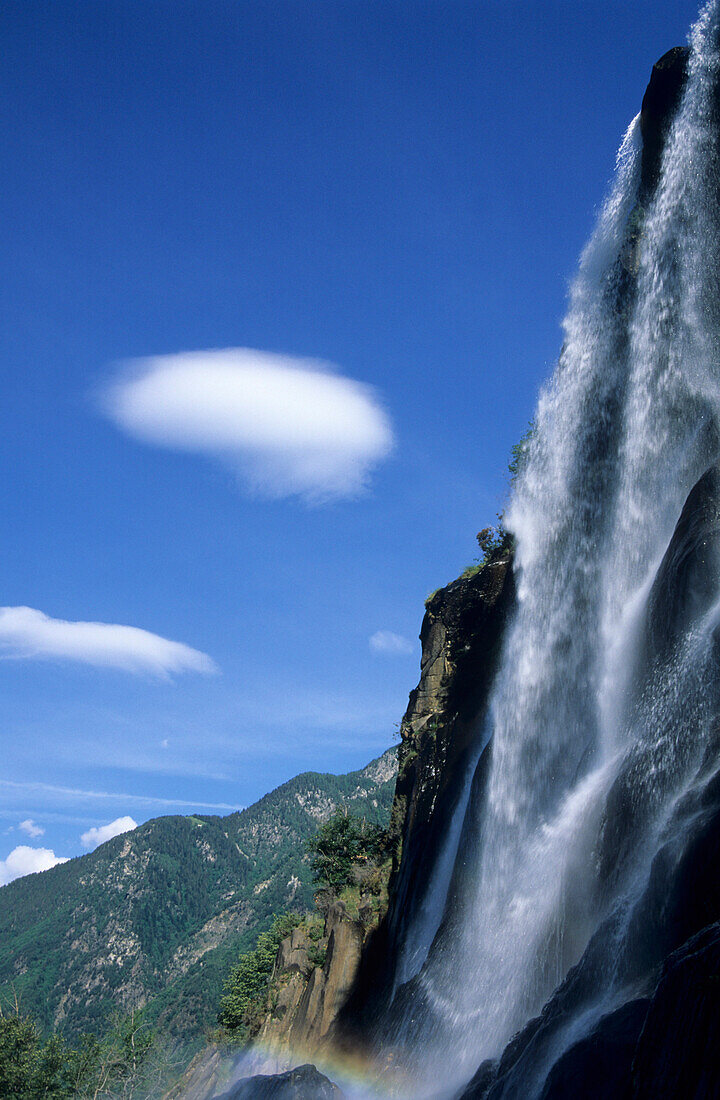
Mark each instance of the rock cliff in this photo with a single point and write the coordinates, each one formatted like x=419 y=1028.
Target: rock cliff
x=312 y=1008
x=305 y=998
x=461 y=635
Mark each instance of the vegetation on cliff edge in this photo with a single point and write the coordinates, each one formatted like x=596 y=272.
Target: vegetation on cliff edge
x=348 y=859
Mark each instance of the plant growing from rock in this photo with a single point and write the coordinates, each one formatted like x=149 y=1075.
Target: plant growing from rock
x=340 y=845
x=243 y=1004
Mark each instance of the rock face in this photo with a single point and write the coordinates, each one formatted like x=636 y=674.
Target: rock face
x=649 y=1048
x=303 y=1083
x=204 y=1078
x=677 y=1053
x=686 y=581
x=305 y=999
x=313 y=1006
x=659 y=104
x=600 y=1065
x=461 y=636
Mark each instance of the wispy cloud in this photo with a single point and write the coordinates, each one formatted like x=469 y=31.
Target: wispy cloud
x=24 y=860
x=28 y=826
x=289 y=426
x=393 y=645
x=116 y=796
x=100 y=833
x=27 y=633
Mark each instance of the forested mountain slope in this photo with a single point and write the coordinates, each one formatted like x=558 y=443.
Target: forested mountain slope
x=156 y=916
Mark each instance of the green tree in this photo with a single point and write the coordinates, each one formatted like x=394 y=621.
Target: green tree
x=29 y=1068
x=33 y=1069
x=520 y=453
x=116 y=1066
x=19 y=1043
x=340 y=845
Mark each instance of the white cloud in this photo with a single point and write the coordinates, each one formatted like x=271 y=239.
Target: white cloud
x=26 y=861
x=384 y=641
x=291 y=427
x=27 y=633
x=31 y=828
x=100 y=833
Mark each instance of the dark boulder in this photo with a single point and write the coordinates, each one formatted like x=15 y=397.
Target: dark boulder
x=482 y=1081
x=684 y=590
x=302 y=1083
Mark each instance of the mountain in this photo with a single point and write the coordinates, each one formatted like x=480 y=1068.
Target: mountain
x=157 y=916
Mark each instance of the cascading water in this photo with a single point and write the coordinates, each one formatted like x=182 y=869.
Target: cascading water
x=626 y=428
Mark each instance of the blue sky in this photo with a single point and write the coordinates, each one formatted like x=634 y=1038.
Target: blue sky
x=395 y=191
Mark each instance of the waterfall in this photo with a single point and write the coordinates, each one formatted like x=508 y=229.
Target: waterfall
x=626 y=427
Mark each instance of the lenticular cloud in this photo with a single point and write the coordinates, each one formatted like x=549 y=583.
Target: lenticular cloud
x=290 y=427
x=27 y=633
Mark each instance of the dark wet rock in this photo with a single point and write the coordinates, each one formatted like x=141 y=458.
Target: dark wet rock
x=530 y=1055
x=303 y=1083
x=482 y=1081
x=686 y=583
x=678 y=1054
x=659 y=105
x=685 y=588
x=681 y=897
x=598 y=1066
